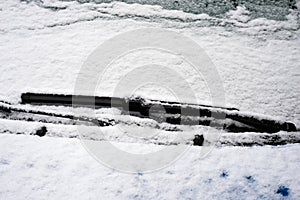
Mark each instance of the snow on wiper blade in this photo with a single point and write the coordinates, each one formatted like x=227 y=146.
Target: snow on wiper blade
x=177 y=113
x=101 y=101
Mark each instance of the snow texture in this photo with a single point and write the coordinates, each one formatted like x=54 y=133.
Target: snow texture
x=31 y=169
x=43 y=45
x=257 y=60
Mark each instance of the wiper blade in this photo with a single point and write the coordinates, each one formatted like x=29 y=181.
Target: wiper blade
x=173 y=112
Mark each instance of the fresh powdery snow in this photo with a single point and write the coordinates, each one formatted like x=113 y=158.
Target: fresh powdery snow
x=43 y=45
x=60 y=168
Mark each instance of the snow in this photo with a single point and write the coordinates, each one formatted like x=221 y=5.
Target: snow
x=54 y=47
x=31 y=169
x=43 y=51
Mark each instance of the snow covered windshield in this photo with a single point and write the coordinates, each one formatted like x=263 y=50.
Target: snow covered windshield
x=149 y=99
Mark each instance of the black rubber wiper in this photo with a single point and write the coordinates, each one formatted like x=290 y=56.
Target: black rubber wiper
x=173 y=112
